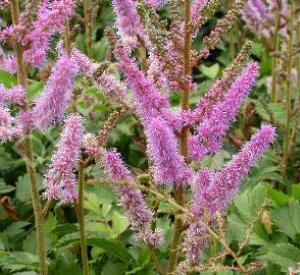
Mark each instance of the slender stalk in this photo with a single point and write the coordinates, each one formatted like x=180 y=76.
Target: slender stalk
x=80 y=213
x=180 y=190
x=28 y=152
x=288 y=92
x=274 y=58
x=88 y=26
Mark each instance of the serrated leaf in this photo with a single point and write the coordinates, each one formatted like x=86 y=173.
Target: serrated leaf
x=283 y=254
x=119 y=222
x=211 y=71
x=296 y=191
x=111 y=246
x=5 y=188
x=287 y=218
x=19 y=260
x=246 y=205
x=277 y=196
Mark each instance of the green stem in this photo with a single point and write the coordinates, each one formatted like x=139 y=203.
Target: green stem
x=180 y=190
x=88 y=26
x=80 y=212
x=274 y=58
x=28 y=152
x=288 y=92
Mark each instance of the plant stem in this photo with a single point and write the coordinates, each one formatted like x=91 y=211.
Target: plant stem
x=288 y=93
x=28 y=152
x=80 y=212
x=180 y=190
x=274 y=58
x=88 y=26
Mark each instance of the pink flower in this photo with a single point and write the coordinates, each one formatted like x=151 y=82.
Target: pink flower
x=130 y=198
x=51 y=104
x=60 y=180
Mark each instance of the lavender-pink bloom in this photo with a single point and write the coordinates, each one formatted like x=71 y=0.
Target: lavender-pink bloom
x=15 y=94
x=111 y=86
x=150 y=102
x=6 y=121
x=210 y=132
x=50 y=105
x=51 y=18
x=60 y=180
x=129 y=25
x=214 y=191
x=7 y=62
x=168 y=165
x=130 y=198
x=197 y=7
x=156 y=3
x=86 y=65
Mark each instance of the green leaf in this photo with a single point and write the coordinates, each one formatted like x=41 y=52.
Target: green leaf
x=23 y=189
x=277 y=196
x=19 y=260
x=211 y=72
x=7 y=79
x=245 y=208
x=16 y=228
x=119 y=222
x=111 y=246
x=296 y=191
x=287 y=219
x=283 y=254
x=5 y=188
x=65 y=262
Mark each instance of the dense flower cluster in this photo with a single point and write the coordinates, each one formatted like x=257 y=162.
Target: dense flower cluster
x=214 y=190
x=50 y=105
x=261 y=16
x=131 y=199
x=60 y=181
x=50 y=18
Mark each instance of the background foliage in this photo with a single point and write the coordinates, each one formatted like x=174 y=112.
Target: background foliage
x=266 y=211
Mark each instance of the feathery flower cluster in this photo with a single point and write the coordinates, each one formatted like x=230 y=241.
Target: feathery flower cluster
x=197 y=7
x=50 y=18
x=156 y=3
x=168 y=165
x=128 y=22
x=6 y=120
x=214 y=191
x=210 y=132
x=13 y=95
x=50 y=105
x=86 y=66
x=7 y=62
x=150 y=102
x=60 y=181
x=130 y=198
x=260 y=16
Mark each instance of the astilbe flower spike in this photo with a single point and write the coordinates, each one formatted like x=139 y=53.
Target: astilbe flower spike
x=130 y=198
x=7 y=62
x=214 y=191
x=197 y=7
x=168 y=165
x=51 y=18
x=150 y=102
x=210 y=132
x=6 y=127
x=128 y=22
x=50 y=105
x=13 y=95
x=60 y=181
x=260 y=16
